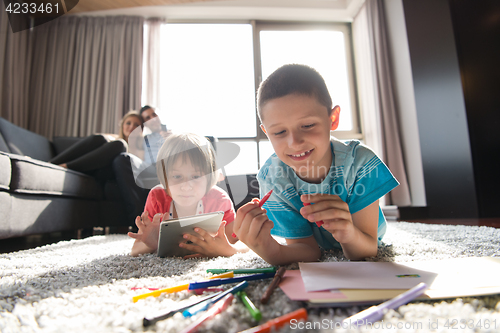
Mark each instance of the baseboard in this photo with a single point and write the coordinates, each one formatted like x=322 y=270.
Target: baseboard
x=413 y=213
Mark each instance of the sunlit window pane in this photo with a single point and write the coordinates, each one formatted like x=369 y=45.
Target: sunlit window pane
x=265 y=151
x=246 y=161
x=207 y=82
x=322 y=50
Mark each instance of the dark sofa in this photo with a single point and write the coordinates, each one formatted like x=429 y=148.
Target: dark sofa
x=38 y=197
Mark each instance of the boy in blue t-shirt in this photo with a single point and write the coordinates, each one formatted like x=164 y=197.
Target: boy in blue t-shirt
x=314 y=177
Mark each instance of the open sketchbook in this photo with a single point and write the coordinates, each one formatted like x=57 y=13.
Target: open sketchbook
x=451 y=278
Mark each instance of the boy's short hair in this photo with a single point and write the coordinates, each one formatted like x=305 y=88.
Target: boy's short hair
x=144 y=108
x=187 y=146
x=293 y=79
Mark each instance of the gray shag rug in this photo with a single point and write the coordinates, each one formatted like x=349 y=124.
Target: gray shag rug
x=87 y=286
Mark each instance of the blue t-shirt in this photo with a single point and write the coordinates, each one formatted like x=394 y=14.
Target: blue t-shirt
x=356 y=175
x=152 y=144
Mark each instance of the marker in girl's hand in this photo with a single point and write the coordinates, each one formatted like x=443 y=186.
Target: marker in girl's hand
x=318 y=223
x=261 y=202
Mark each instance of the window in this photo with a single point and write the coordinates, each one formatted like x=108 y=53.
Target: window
x=210 y=74
x=207 y=80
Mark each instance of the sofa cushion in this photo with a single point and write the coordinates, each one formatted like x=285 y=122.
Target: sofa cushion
x=5 y=171
x=24 y=142
x=36 y=214
x=33 y=176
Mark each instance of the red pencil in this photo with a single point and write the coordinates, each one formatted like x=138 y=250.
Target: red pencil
x=277 y=323
x=318 y=223
x=261 y=202
x=264 y=199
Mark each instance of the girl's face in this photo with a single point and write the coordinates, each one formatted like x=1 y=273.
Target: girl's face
x=130 y=124
x=186 y=184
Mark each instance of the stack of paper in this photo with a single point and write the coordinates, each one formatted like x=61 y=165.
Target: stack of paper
x=348 y=283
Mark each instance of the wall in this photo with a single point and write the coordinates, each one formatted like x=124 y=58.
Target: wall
x=477 y=34
x=441 y=114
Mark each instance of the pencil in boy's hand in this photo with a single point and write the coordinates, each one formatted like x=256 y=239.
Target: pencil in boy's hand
x=264 y=199
x=261 y=202
x=274 y=283
x=318 y=223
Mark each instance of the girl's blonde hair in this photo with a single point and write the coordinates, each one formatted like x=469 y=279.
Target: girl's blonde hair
x=190 y=146
x=125 y=117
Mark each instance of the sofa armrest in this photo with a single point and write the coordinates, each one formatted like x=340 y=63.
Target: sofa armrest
x=5 y=171
x=23 y=142
x=31 y=176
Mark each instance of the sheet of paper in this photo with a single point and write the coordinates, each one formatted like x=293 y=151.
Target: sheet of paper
x=458 y=277
x=362 y=275
x=444 y=277
x=293 y=287
x=462 y=273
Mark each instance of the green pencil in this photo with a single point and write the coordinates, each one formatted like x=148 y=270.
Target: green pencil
x=242 y=270
x=256 y=314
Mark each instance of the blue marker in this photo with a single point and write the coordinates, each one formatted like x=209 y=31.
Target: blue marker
x=218 y=282
x=205 y=304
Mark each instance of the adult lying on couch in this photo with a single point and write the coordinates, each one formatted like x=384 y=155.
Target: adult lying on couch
x=39 y=197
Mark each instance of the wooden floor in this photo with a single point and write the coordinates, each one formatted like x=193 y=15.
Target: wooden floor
x=23 y=243
x=489 y=222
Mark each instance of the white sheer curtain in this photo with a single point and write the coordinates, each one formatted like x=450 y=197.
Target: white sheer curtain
x=151 y=69
x=86 y=74
x=378 y=108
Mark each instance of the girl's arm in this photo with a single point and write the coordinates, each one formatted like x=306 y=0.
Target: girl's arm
x=230 y=233
x=207 y=245
x=146 y=238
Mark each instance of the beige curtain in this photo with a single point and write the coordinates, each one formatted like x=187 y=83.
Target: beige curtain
x=377 y=103
x=15 y=64
x=86 y=74
x=152 y=43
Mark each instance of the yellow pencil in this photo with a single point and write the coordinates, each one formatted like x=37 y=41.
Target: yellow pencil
x=223 y=275
x=158 y=292
x=175 y=289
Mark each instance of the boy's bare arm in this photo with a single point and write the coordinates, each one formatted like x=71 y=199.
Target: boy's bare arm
x=300 y=250
x=254 y=229
x=295 y=250
x=364 y=243
x=356 y=233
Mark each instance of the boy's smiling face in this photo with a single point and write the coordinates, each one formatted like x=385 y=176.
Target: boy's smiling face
x=298 y=127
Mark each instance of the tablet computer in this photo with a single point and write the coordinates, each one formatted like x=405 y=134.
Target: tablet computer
x=171 y=232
